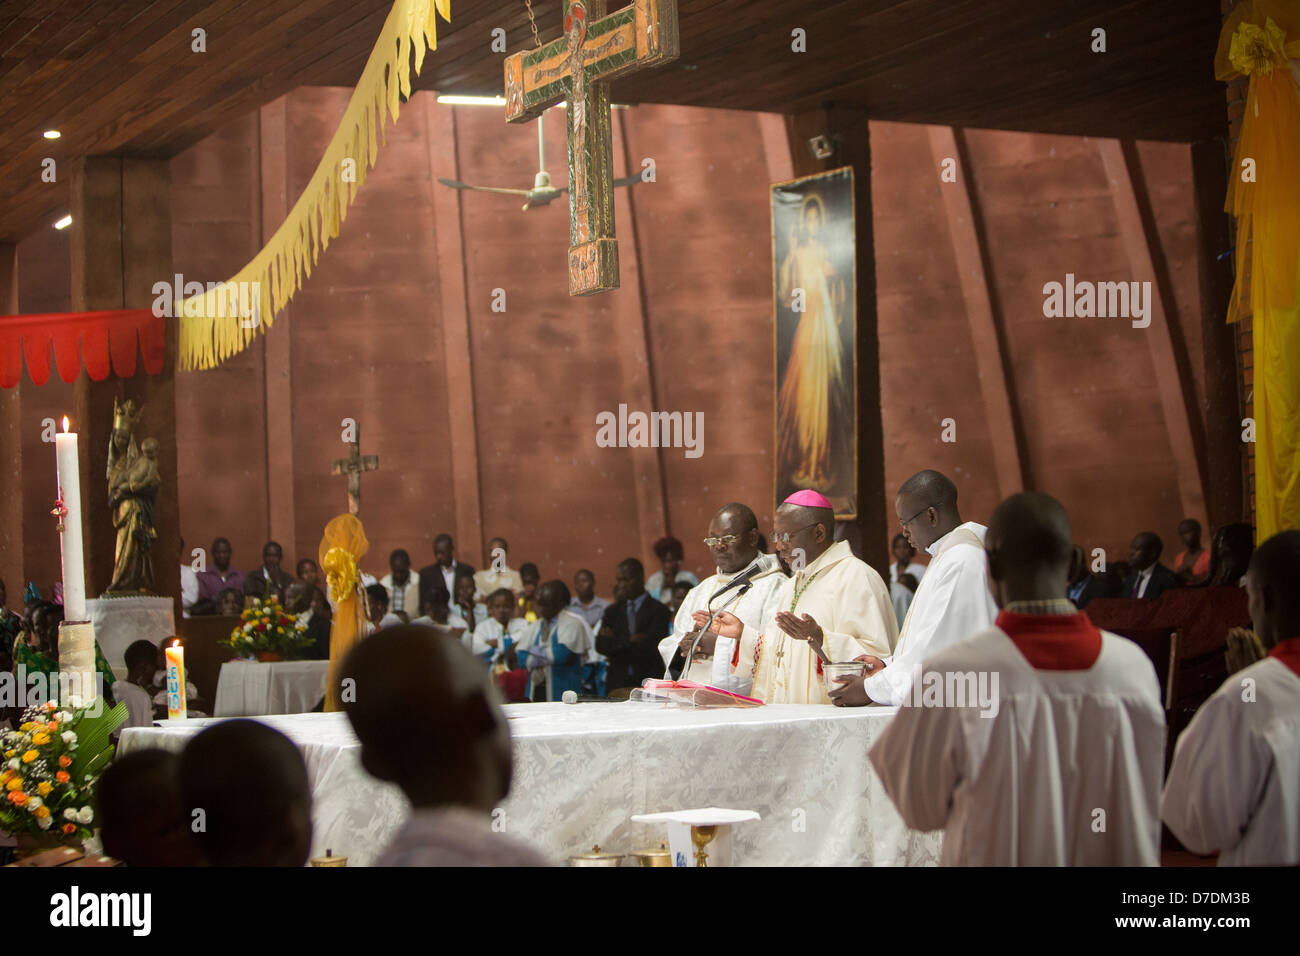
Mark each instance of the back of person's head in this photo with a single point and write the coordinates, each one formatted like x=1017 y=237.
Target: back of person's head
x=1230 y=553
x=1030 y=547
x=453 y=746
x=250 y=783
x=140 y=813
x=1273 y=588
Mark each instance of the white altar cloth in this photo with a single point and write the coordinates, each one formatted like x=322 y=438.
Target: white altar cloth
x=256 y=689
x=582 y=770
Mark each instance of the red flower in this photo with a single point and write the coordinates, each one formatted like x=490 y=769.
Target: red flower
x=261 y=627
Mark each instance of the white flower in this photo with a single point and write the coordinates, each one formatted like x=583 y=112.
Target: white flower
x=35 y=803
x=64 y=716
x=69 y=737
x=44 y=822
x=70 y=814
x=85 y=814
x=15 y=764
x=75 y=702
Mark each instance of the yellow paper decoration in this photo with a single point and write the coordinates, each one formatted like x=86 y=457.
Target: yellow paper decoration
x=342 y=545
x=1258 y=39
x=211 y=325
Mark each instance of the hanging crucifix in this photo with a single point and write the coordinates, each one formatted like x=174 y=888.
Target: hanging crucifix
x=354 y=466
x=577 y=67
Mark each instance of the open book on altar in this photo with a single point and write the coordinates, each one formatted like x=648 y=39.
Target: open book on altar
x=689 y=693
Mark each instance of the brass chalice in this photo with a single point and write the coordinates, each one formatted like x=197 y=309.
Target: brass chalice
x=702 y=837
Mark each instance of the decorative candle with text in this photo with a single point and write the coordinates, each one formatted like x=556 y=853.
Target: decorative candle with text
x=175 y=681
x=69 y=512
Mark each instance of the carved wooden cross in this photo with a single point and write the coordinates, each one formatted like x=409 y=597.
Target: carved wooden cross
x=354 y=466
x=578 y=66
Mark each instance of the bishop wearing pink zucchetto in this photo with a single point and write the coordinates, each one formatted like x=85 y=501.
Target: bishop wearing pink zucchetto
x=834 y=608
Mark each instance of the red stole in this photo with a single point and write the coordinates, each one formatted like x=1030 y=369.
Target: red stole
x=1288 y=653
x=1053 y=642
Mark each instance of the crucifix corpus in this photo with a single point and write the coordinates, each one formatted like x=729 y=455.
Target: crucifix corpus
x=577 y=67
x=354 y=466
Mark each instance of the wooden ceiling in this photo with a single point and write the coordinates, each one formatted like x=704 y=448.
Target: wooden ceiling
x=119 y=77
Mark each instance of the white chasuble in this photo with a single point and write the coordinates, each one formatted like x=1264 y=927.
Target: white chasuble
x=753 y=608
x=1041 y=768
x=850 y=602
x=1234 y=786
x=952 y=603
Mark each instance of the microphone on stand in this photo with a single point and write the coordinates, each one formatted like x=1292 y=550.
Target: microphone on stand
x=744 y=586
x=743 y=578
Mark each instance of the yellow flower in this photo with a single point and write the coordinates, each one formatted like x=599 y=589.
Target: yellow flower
x=1257 y=49
x=10 y=753
x=42 y=812
x=44 y=787
x=26 y=727
x=15 y=784
x=30 y=756
x=40 y=739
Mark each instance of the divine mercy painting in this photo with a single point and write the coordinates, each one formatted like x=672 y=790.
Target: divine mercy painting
x=815 y=300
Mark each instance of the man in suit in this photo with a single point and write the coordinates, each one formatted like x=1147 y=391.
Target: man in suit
x=269 y=579
x=631 y=629
x=445 y=569
x=1084 y=586
x=1148 y=578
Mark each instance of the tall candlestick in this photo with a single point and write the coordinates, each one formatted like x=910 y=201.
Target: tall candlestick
x=74 y=569
x=175 y=681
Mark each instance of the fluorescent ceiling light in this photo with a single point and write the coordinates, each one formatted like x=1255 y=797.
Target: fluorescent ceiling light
x=454 y=100
x=52 y=134
x=63 y=223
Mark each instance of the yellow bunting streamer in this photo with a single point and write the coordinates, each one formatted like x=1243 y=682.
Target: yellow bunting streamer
x=1259 y=40
x=342 y=545
x=226 y=318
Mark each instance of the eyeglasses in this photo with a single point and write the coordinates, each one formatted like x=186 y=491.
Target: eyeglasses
x=725 y=541
x=783 y=537
x=917 y=515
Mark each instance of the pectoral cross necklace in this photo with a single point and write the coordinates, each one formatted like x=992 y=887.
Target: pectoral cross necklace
x=798 y=593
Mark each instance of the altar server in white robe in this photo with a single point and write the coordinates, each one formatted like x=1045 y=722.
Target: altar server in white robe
x=953 y=600
x=1039 y=741
x=733 y=541
x=833 y=608
x=1234 y=786
x=554 y=648
x=500 y=631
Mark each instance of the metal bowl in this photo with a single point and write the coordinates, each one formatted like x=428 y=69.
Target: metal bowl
x=834 y=674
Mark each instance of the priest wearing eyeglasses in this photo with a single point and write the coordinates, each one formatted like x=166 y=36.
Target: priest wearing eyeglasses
x=833 y=608
x=733 y=542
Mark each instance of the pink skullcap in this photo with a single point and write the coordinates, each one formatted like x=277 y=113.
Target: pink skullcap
x=808 y=499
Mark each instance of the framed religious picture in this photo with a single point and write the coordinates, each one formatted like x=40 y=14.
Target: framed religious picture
x=814 y=293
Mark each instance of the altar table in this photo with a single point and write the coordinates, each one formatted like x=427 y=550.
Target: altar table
x=582 y=770
x=256 y=689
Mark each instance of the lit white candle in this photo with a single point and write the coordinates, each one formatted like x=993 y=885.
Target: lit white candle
x=175 y=681
x=74 y=568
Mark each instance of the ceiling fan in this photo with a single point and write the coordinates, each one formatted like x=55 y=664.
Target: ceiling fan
x=542 y=192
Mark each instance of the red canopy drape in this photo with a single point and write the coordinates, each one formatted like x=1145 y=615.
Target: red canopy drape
x=99 y=340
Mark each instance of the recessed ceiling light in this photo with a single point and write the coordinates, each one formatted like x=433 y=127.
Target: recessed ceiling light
x=63 y=223
x=52 y=134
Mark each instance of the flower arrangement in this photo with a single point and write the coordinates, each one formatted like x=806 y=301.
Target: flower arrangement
x=52 y=764
x=267 y=632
